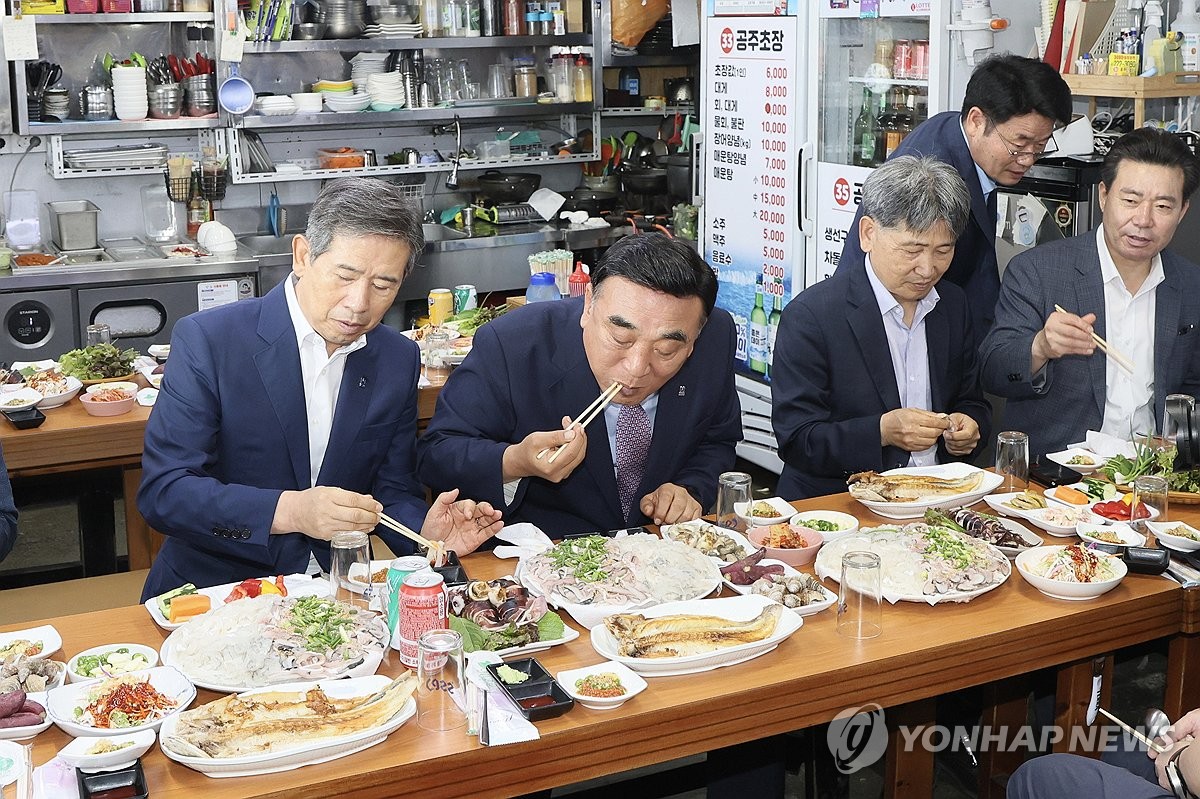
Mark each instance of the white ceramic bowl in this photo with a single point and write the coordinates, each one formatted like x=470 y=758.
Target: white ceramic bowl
x=148 y=654
x=1063 y=459
x=76 y=752
x=1162 y=531
x=49 y=638
x=1129 y=537
x=20 y=400
x=122 y=385
x=633 y=682
x=846 y=523
x=74 y=384
x=1061 y=589
x=783 y=511
x=29 y=730
x=167 y=680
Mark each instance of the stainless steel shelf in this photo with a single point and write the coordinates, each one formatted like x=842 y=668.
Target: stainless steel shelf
x=672 y=60
x=441 y=43
x=117 y=126
x=413 y=116
x=647 y=112
x=97 y=19
x=376 y=171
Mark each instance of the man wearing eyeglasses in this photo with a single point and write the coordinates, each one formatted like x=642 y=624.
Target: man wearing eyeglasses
x=1011 y=109
x=1118 y=283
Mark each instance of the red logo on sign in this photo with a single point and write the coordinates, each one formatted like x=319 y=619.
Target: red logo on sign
x=727 y=40
x=841 y=191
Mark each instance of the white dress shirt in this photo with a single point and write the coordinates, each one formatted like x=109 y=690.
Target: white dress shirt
x=909 y=351
x=1128 y=327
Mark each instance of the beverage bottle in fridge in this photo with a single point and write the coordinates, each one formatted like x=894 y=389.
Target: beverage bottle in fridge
x=865 y=133
x=773 y=327
x=880 y=133
x=758 y=331
x=908 y=114
x=891 y=124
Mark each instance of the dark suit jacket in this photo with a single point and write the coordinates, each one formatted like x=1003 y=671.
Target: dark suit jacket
x=974 y=267
x=229 y=434
x=833 y=379
x=1070 y=401
x=526 y=371
x=8 y=513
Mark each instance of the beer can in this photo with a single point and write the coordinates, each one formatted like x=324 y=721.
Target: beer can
x=422 y=608
x=920 y=60
x=441 y=306
x=902 y=59
x=398 y=569
x=465 y=298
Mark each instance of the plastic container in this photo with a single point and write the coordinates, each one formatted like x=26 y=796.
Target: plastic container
x=83 y=6
x=74 y=223
x=117 y=6
x=541 y=288
x=341 y=158
x=22 y=225
x=526 y=81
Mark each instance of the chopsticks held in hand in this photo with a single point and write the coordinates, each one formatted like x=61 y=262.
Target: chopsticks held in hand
x=436 y=548
x=584 y=419
x=1149 y=743
x=1118 y=357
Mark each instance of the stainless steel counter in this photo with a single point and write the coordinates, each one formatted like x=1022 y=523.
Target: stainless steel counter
x=151 y=270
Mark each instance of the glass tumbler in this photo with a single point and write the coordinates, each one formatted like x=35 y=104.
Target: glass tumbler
x=99 y=334
x=860 y=596
x=1152 y=491
x=733 y=489
x=1012 y=460
x=441 y=689
x=350 y=556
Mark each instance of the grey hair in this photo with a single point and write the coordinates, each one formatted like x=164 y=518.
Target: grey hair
x=364 y=207
x=916 y=193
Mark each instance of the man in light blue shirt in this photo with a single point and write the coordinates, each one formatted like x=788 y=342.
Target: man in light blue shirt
x=874 y=367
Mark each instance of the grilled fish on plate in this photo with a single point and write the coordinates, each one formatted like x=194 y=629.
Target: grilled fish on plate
x=686 y=634
x=877 y=487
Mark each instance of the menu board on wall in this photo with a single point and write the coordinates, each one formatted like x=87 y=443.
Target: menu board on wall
x=753 y=117
x=838 y=192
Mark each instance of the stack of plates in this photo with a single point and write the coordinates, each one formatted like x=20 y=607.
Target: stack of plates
x=396 y=31
x=55 y=103
x=346 y=103
x=129 y=92
x=149 y=155
x=327 y=86
x=275 y=106
x=363 y=66
x=387 y=91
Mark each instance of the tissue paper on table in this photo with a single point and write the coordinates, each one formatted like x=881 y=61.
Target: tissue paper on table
x=527 y=540
x=1107 y=446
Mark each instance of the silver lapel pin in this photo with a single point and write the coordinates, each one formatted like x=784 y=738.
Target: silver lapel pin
x=362 y=382
x=682 y=390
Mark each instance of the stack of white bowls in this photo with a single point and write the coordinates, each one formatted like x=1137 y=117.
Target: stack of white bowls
x=345 y=102
x=387 y=91
x=363 y=65
x=307 y=102
x=274 y=106
x=130 y=100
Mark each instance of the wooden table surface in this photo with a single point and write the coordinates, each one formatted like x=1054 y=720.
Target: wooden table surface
x=923 y=652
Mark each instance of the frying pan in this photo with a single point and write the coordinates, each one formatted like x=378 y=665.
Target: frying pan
x=236 y=95
x=595 y=203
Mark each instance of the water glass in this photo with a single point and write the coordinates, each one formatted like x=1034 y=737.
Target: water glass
x=437 y=347
x=499 y=82
x=1151 y=490
x=99 y=334
x=733 y=489
x=860 y=596
x=441 y=689
x=1012 y=460
x=350 y=555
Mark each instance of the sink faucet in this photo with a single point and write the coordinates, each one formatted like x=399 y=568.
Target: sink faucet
x=452 y=181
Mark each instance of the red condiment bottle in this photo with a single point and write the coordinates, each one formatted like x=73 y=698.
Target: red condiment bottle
x=577 y=282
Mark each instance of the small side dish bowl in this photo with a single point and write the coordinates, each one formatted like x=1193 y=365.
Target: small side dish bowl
x=136 y=657
x=1062 y=589
x=95 y=407
x=1087 y=461
x=120 y=385
x=1117 y=534
x=846 y=524
x=783 y=511
x=792 y=557
x=128 y=748
x=19 y=400
x=1179 y=543
x=630 y=681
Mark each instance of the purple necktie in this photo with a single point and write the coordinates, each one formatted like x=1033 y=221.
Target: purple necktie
x=633 y=445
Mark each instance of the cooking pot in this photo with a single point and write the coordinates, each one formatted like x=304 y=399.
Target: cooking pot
x=644 y=180
x=679 y=174
x=679 y=91
x=595 y=203
x=508 y=187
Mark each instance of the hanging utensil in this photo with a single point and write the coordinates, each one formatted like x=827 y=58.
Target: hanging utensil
x=273 y=212
x=236 y=95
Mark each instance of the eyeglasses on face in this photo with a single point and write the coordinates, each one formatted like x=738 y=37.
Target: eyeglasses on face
x=1048 y=147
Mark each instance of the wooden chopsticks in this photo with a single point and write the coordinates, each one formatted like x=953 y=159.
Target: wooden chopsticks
x=593 y=410
x=1119 y=358
x=436 y=548
x=1150 y=744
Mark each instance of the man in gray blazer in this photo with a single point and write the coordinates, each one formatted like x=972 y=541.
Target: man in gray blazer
x=1116 y=282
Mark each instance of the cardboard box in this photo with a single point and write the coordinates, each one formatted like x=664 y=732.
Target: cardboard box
x=575 y=10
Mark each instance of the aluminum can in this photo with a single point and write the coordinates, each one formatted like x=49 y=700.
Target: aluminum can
x=398 y=569
x=422 y=608
x=902 y=59
x=465 y=298
x=441 y=306
x=920 y=60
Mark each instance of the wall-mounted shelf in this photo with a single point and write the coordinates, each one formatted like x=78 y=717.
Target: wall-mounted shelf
x=1164 y=87
x=648 y=112
x=100 y=19
x=440 y=43
x=413 y=116
x=117 y=126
